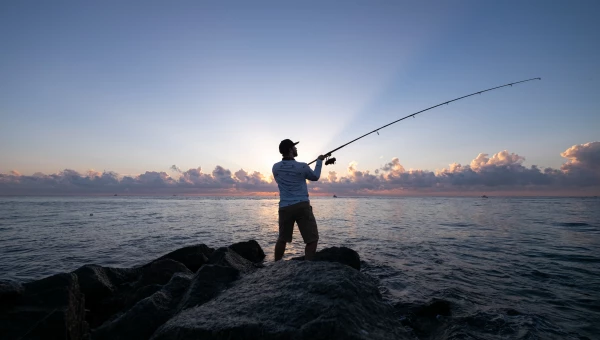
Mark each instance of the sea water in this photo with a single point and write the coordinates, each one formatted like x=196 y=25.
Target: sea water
x=510 y=268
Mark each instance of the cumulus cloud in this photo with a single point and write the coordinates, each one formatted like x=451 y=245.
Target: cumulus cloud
x=254 y=181
x=500 y=171
x=501 y=159
x=585 y=155
x=583 y=165
x=394 y=166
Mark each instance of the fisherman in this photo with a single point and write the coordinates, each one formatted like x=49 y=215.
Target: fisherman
x=294 y=206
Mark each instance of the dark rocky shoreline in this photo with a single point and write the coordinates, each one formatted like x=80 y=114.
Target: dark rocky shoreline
x=198 y=292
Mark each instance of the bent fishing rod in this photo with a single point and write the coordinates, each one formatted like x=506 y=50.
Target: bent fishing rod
x=332 y=159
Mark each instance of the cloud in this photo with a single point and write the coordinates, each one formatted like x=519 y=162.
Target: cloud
x=254 y=181
x=583 y=165
x=394 y=167
x=501 y=159
x=503 y=171
x=585 y=155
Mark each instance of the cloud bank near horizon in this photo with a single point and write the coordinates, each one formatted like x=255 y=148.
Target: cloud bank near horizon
x=500 y=172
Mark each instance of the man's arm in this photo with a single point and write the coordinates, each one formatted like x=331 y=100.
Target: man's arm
x=314 y=175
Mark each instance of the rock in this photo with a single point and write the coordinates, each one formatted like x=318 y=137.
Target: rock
x=161 y=271
x=148 y=314
x=226 y=257
x=342 y=255
x=95 y=282
x=141 y=293
x=208 y=282
x=291 y=300
x=192 y=257
x=249 y=250
x=110 y=290
x=104 y=281
x=50 y=308
x=10 y=291
x=103 y=287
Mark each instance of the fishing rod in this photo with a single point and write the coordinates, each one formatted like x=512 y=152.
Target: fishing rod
x=332 y=159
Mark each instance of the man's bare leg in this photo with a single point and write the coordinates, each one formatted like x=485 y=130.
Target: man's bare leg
x=310 y=250
x=279 y=249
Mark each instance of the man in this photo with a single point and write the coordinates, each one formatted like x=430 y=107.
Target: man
x=294 y=206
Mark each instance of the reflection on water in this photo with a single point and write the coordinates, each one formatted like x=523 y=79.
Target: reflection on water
x=532 y=263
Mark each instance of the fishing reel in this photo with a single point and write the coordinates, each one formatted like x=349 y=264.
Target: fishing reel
x=329 y=160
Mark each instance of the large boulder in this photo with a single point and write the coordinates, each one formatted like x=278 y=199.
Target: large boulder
x=10 y=291
x=104 y=289
x=103 y=281
x=94 y=281
x=110 y=290
x=50 y=308
x=342 y=255
x=193 y=257
x=161 y=271
x=139 y=322
x=249 y=250
x=291 y=300
x=140 y=293
x=226 y=257
x=208 y=282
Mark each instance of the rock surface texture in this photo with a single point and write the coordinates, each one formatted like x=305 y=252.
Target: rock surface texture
x=198 y=292
x=50 y=308
x=291 y=300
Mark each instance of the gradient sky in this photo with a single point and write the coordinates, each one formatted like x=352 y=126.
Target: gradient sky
x=141 y=86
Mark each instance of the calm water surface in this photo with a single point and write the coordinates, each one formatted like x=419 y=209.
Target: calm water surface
x=526 y=268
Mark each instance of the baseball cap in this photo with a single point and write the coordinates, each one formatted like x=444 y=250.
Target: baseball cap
x=286 y=145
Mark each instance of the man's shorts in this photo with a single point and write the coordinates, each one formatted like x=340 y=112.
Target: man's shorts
x=302 y=214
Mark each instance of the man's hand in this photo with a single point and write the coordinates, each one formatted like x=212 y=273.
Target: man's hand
x=321 y=157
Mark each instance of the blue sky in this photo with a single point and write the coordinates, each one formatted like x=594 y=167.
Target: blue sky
x=142 y=86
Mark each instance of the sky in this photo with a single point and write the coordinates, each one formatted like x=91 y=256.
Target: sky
x=191 y=97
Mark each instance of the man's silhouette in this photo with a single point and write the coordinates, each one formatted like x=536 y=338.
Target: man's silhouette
x=294 y=206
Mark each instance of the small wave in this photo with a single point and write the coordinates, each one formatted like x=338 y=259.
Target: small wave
x=460 y=225
x=572 y=224
x=537 y=273
x=492 y=324
x=573 y=258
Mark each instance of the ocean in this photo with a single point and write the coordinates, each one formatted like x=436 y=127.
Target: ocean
x=510 y=268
